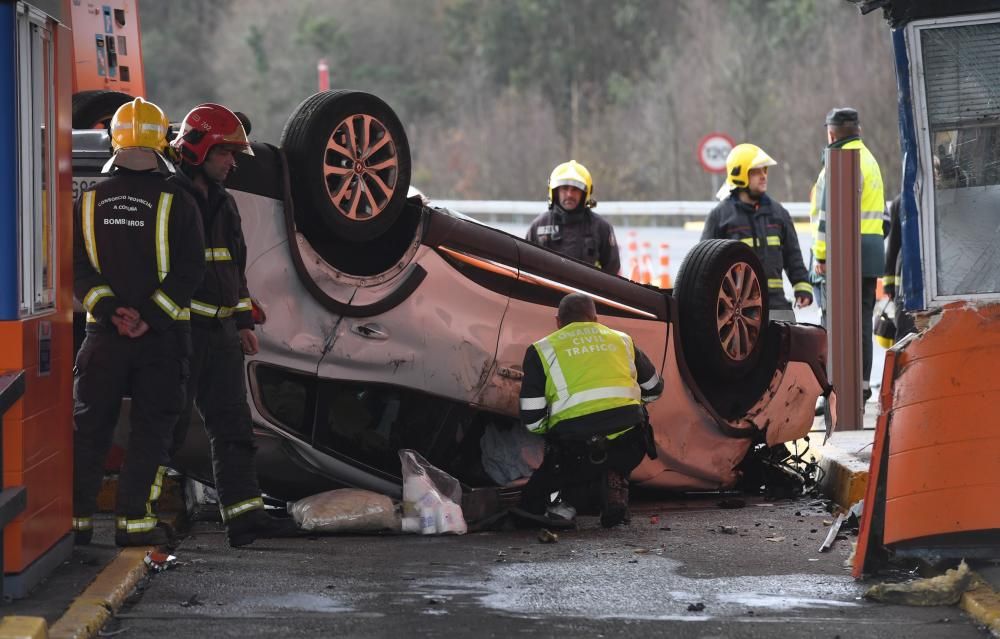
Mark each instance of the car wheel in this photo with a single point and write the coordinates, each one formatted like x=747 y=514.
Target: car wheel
x=350 y=164
x=94 y=109
x=721 y=296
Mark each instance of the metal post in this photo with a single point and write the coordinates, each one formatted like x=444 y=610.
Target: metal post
x=843 y=277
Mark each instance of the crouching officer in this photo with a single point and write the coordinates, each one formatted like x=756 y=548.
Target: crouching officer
x=138 y=254
x=583 y=389
x=210 y=138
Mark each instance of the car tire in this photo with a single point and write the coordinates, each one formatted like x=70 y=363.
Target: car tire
x=350 y=164
x=721 y=295
x=94 y=109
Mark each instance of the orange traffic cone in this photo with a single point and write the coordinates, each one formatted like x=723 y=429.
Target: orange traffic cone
x=664 y=274
x=646 y=265
x=633 y=260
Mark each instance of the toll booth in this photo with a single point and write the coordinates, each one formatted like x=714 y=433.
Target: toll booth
x=935 y=475
x=36 y=54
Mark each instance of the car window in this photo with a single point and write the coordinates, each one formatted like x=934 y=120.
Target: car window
x=370 y=423
x=286 y=398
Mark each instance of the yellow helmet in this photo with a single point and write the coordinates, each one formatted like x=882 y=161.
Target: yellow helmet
x=139 y=124
x=572 y=173
x=740 y=160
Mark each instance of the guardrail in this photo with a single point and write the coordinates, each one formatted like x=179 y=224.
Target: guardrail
x=13 y=500
x=666 y=213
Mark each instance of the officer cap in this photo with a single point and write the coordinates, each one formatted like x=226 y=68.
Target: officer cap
x=842 y=115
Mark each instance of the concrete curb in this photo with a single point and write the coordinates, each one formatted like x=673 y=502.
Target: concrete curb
x=91 y=610
x=845 y=478
x=982 y=603
x=20 y=627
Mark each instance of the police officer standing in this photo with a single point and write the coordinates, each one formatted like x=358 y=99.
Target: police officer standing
x=570 y=226
x=138 y=254
x=748 y=215
x=222 y=324
x=583 y=389
x=843 y=131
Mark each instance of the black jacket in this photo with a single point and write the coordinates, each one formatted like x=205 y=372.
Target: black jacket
x=137 y=243
x=223 y=292
x=768 y=229
x=582 y=235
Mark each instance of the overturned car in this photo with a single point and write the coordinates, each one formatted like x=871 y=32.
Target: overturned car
x=386 y=323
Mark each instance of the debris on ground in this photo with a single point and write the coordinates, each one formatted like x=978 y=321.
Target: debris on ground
x=831 y=534
x=547 y=537
x=696 y=607
x=728 y=530
x=346 y=510
x=192 y=601
x=157 y=560
x=943 y=590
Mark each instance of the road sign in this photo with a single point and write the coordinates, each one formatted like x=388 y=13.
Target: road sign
x=712 y=152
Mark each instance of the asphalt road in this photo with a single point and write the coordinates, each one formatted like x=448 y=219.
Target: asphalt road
x=680 y=569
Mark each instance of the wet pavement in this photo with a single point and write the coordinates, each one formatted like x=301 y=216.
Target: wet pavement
x=682 y=568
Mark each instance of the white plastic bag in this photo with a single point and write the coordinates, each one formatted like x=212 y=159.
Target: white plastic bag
x=431 y=497
x=346 y=510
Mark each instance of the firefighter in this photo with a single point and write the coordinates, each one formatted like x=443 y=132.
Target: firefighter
x=583 y=389
x=843 y=131
x=222 y=328
x=138 y=255
x=749 y=215
x=570 y=226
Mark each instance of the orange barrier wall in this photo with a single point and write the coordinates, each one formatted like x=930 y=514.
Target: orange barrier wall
x=944 y=443
x=38 y=429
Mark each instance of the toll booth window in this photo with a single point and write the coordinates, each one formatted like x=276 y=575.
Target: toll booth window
x=37 y=192
x=961 y=63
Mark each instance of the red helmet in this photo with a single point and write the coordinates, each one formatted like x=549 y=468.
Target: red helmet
x=206 y=126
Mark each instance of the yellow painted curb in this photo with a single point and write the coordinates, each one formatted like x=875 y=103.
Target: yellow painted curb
x=982 y=603
x=17 y=627
x=845 y=478
x=103 y=597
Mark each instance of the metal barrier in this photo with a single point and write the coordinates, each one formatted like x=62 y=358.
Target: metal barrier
x=13 y=500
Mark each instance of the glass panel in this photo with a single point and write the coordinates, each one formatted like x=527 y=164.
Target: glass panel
x=962 y=83
x=370 y=423
x=36 y=166
x=287 y=399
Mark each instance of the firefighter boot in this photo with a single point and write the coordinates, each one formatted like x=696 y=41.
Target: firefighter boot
x=257 y=524
x=615 y=509
x=156 y=537
x=83 y=530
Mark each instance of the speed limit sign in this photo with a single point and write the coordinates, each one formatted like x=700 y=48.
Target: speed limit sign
x=713 y=150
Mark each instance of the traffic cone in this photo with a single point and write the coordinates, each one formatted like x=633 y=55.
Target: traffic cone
x=664 y=274
x=646 y=265
x=633 y=260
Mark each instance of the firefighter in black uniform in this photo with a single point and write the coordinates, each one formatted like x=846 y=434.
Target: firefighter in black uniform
x=138 y=255
x=570 y=226
x=222 y=324
x=747 y=214
x=584 y=387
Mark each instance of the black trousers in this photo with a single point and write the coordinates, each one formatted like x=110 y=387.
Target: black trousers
x=217 y=389
x=568 y=467
x=153 y=370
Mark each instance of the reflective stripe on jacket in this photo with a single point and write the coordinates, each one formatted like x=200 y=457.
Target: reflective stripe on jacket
x=872 y=211
x=768 y=229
